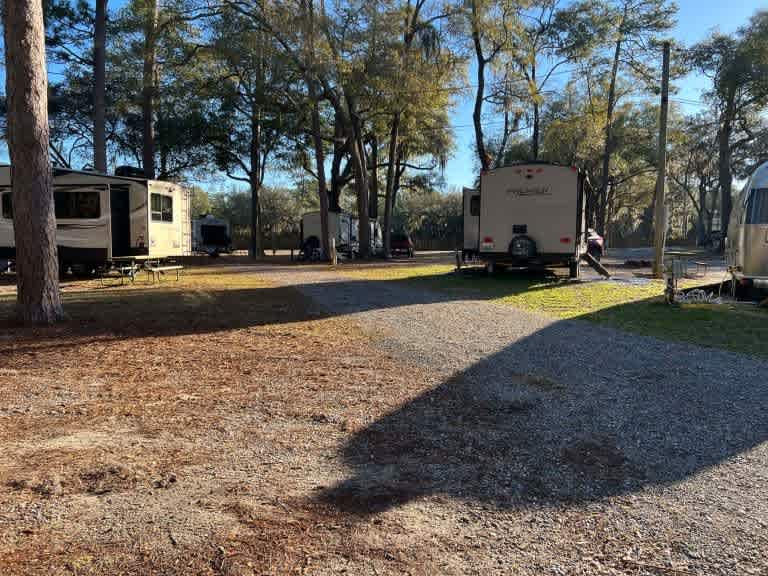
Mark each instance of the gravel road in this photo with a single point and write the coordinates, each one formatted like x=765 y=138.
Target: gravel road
x=586 y=450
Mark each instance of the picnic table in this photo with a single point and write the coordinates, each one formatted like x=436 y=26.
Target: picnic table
x=127 y=267
x=157 y=269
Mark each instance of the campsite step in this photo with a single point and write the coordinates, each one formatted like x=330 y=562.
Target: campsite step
x=599 y=268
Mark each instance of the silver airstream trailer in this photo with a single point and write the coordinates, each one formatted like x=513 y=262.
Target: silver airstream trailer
x=746 y=245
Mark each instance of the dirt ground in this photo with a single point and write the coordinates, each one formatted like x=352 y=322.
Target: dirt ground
x=189 y=429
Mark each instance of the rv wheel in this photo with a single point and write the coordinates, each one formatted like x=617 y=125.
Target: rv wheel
x=311 y=248
x=573 y=268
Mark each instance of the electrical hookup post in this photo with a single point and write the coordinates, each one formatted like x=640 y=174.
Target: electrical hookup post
x=334 y=254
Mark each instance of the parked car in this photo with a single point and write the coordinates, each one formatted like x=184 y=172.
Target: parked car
x=401 y=244
x=595 y=244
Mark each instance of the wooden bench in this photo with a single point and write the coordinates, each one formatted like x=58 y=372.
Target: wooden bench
x=156 y=271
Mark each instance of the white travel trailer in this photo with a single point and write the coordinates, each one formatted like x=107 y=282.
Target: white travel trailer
x=100 y=217
x=747 y=241
x=532 y=215
x=343 y=227
x=211 y=235
x=471 y=213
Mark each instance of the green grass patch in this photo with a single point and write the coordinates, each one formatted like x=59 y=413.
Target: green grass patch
x=634 y=307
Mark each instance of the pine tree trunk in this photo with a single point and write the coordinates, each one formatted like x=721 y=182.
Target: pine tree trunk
x=37 y=267
x=148 y=90
x=99 y=88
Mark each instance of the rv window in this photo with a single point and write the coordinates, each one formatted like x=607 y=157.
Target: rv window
x=474 y=206
x=162 y=208
x=757 y=206
x=76 y=204
x=7 y=206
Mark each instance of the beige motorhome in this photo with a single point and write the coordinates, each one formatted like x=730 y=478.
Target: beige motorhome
x=746 y=246
x=532 y=215
x=100 y=217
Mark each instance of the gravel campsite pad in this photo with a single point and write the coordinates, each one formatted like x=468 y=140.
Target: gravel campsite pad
x=275 y=420
x=577 y=448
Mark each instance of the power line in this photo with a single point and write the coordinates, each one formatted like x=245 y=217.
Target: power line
x=491 y=86
x=688 y=101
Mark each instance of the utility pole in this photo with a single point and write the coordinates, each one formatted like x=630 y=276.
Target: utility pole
x=659 y=218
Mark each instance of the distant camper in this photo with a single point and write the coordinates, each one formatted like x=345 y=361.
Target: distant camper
x=530 y=215
x=100 y=217
x=343 y=227
x=746 y=246
x=211 y=235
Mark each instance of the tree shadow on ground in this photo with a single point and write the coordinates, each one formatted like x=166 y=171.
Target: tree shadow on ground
x=135 y=313
x=570 y=413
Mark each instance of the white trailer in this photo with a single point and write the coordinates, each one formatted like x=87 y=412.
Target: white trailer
x=100 y=217
x=211 y=235
x=343 y=227
x=471 y=214
x=532 y=215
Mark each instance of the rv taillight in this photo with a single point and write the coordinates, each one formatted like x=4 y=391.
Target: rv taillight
x=565 y=240
x=488 y=240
